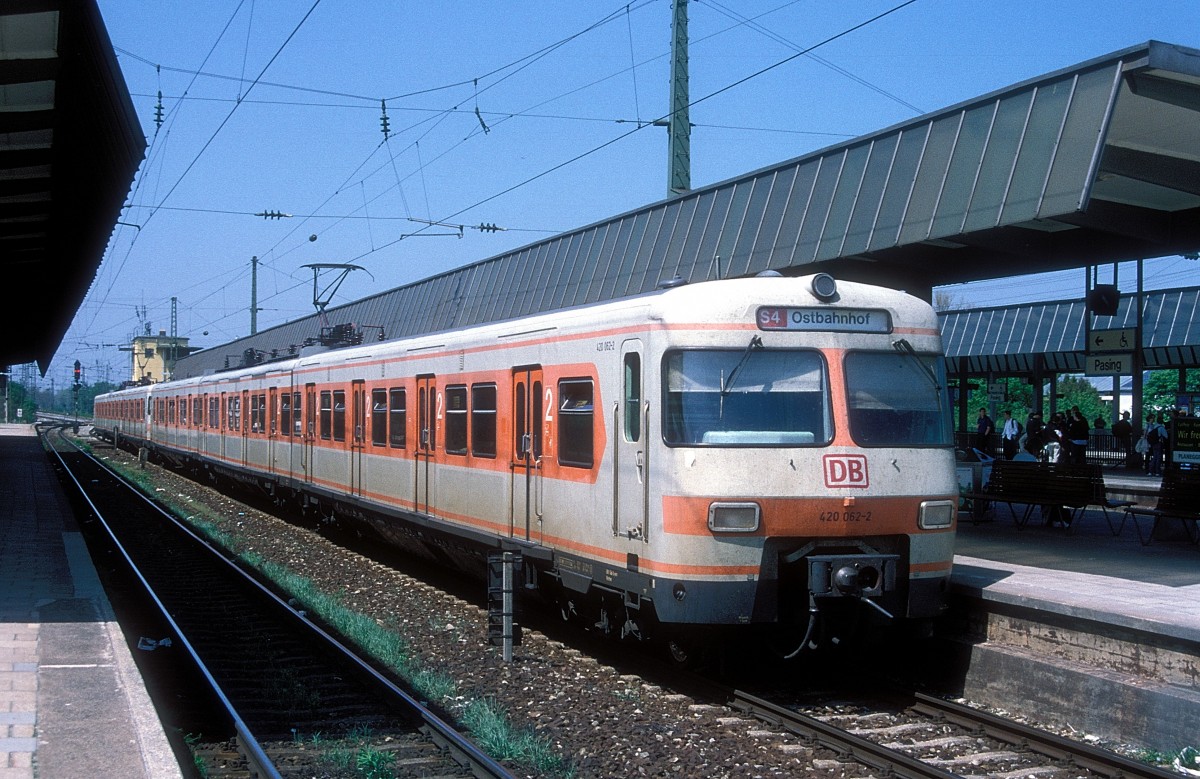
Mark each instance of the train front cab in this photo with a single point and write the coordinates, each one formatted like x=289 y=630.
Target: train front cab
x=807 y=478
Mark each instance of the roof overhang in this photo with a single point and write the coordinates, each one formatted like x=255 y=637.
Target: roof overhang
x=70 y=145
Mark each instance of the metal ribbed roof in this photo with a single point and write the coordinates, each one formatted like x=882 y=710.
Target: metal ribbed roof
x=1006 y=340
x=70 y=145
x=1095 y=163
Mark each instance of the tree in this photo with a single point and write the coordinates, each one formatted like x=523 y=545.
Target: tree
x=1160 y=388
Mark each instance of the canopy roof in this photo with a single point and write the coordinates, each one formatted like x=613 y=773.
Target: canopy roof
x=1095 y=163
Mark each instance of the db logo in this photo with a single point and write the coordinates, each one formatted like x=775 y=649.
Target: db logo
x=846 y=470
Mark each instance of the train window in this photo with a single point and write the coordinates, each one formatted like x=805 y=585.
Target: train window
x=379 y=417
x=257 y=413
x=183 y=412
x=398 y=413
x=633 y=396
x=575 y=415
x=197 y=411
x=326 y=414
x=214 y=412
x=746 y=397
x=897 y=399
x=339 y=415
x=297 y=422
x=483 y=420
x=456 y=419
x=285 y=413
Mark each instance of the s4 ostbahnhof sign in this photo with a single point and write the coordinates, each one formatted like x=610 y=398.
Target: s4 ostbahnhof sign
x=1109 y=364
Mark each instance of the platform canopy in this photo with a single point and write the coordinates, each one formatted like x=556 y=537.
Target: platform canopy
x=70 y=145
x=1052 y=337
x=1092 y=164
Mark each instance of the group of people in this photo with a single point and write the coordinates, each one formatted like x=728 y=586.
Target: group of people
x=1064 y=437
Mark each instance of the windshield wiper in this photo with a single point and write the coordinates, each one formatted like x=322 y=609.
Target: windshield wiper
x=904 y=347
x=755 y=343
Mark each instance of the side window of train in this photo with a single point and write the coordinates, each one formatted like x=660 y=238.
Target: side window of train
x=339 y=415
x=285 y=413
x=379 y=417
x=633 y=396
x=297 y=420
x=456 y=419
x=483 y=420
x=576 y=411
x=326 y=414
x=397 y=417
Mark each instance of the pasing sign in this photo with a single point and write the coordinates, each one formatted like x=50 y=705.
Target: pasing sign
x=1109 y=365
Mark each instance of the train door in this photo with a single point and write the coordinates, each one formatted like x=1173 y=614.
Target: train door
x=527 y=415
x=358 y=434
x=630 y=464
x=309 y=442
x=428 y=414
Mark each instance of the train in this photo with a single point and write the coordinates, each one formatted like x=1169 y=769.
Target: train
x=769 y=456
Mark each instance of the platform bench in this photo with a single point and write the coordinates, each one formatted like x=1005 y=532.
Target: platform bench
x=1178 y=498
x=1060 y=490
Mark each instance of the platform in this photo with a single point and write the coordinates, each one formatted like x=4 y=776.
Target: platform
x=1093 y=631
x=72 y=702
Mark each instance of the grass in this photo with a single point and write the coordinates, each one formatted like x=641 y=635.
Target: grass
x=487 y=722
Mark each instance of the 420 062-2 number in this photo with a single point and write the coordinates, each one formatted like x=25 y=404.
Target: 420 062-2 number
x=845 y=516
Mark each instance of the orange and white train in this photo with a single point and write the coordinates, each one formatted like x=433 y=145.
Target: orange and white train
x=764 y=453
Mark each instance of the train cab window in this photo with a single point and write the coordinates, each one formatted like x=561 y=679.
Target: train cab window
x=576 y=411
x=339 y=415
x=483 y=420
x=633 y=397
x=897 y=399
x=379 y=417
x=397 y=418
x=326 y=414
x=746 y=397
x=456 y=419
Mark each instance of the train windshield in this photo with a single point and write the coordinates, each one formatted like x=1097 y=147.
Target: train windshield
x=746 y=397
x=897 y=399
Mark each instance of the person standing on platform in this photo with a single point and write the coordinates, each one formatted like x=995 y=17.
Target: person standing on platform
x=1077 y=433
x=1155 y=433
x=984 y=427
x=1010 y=434
x=1122 y=431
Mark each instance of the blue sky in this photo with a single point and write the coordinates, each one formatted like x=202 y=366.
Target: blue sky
x=522 y=115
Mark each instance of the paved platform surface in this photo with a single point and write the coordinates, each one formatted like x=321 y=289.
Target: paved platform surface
x=72 y=702
x=1087 y=571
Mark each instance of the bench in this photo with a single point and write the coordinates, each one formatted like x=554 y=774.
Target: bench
x=1178 y=498
x=1061 y=491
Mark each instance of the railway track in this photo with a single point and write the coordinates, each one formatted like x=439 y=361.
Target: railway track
x=908 y=735
x=291 y=698
x=921 y=736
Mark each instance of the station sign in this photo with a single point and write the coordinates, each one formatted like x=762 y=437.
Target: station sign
x=1120 y=340
x=1108 y=365
x=837 y=320
x=1185 y=440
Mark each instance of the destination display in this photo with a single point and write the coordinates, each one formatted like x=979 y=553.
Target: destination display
x=842 y=320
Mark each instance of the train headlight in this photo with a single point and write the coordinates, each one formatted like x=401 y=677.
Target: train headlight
x=936 y=514
x=733 y=517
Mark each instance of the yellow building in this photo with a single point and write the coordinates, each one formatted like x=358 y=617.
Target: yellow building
x=154 y=357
